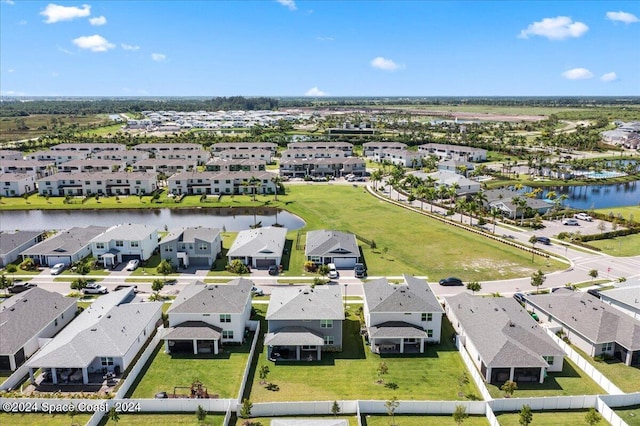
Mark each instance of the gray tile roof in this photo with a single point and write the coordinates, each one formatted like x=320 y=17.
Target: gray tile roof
x=108 y=328
x=192 y=234
x=198 y=297
x=190 y=330
x=126 y=231
x=269 y=240
x=503 y=331
x=592 y=318
x=25 y=315
x=306 y=303
x=397 y=329
x=10 y=240
x=70 y=241
x=331 y=243
x=629 y=296
x=414 y=295
x=294 y=336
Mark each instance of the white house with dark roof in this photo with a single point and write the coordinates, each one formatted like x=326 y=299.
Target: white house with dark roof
x=453 y=152
x=30 y=167
x=260 y=247
x=339 y=248
x=235 y=165
x=66 y=247
x=303 y=322
x=58 y=156
x=198 y=246
x=168 y=167
x=222 y=183
x=205 y=316
x=156 y=147
x=238 y=154
x=89 y=147
x=370 y=148
x=124 y=242
x=105 y=183
x=105 y=337
x=592 y=325
x=343 y=146
x=10 y=155
x=402 y=317
x=28 y=317
x=92 y=165
x=17 y=184
x=449 y=179
x=13 y=243
x=400 y=157
x=626 y=299
x=502 y=339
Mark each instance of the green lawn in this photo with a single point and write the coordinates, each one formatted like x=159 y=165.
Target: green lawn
x=547 y=418
x=417 y=420
x=266 y=421
x=42 y=419
x=570 y=381
x=221 y=374
x=631 y=414
x=628 y=245
x=351 y=374
x=624 y=211
x=167 y=419
x=623 y=376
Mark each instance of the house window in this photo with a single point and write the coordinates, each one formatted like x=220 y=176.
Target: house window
x=106 y=360
x=100 y=246
x=427 y=317
x=135 y=244
x=203 y=246
x=607 y=347
x=120 y=243
x=308 y=348
x=326 y=323
x=429 y=334
x=548 y=359
x=225 y=317
x=328 y=340
x=227 y=334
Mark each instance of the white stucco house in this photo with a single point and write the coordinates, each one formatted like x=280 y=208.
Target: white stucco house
x=124 y=242
x=259 y=247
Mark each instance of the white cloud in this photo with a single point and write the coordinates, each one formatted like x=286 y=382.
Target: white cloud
x=158 y=57
x=11 y=2
x=321 y=38
x=385 y=64
x=314 y=91
x=57 y=13
x=10 y=70
x=620 y=16
x=22 y=22
x=94 y=43
x=577 y=74
x=557 y=28
x=66 y=51
x=291 y=4
x=126 y=46
x=100 y=20
x=610 y=76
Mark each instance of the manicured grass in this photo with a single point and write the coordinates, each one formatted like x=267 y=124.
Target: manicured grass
x=417 y=420
x=570 y=381
x=631 y=414
x=624 y=211
x=266 y=421
x=628 y=245
x=351 y=374
x=623 y=376
x=4 y=375
x=168 y=419
x=590 y=283
x=30 y=419
x=221 y=374
x=546 y=418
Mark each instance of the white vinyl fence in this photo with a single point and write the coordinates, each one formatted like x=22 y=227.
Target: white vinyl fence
x=551 y=403
x=142 y=361
x=294 y=408
x=471 y=367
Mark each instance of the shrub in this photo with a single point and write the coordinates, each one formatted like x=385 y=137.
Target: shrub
x=237 y=267
x=11 y=268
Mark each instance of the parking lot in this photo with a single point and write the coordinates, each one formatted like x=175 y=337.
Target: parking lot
x=554 y=227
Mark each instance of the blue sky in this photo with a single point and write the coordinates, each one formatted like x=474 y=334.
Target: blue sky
x=319 y=48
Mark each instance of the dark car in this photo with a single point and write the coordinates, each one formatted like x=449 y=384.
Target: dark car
x=544 y=240
x=593 y=292
x=451 y=281
x=20 y=287
x=520 y=297
x=273 y=270
x=359 y=270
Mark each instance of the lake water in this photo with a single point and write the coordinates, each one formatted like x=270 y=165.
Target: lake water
x=597 y=196
x=236 y=219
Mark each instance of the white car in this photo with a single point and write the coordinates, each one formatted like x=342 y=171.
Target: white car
x=57 y=268
x=333 y=272
x=570 y=222
x=93 y=288
x=583 y=216
x=132 y=265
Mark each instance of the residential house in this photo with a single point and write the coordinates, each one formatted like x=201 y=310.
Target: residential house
x=235 y=165
x=198 y=246
x=250 y=146
x=37 y=168
x=87 y=184
x=401 y=318
x=596 y=327
x=164 y=166
x=204 y=317
x=370 y=148
x=343 y=146
x=200 y=156
x=129 y=156
x=92 y=165
x=400 y=157
x=304 y=322
x=10 y=154
x=312 y=153
x=461 y=167
x=90 y=148
x=124 y=242
x=222 y=183
x=260 y=247
x=244 y=154
x=58 y=156
x=322 y=167
x=626 y=299
x=28 y=317
x=17 y=184
x=105 y=337
x=15 y=242
x=503 y=200
x=339 y=248
x=168 y=146
x=453 y=152
x=502 y=339
x=463 y=185
x=66 y=247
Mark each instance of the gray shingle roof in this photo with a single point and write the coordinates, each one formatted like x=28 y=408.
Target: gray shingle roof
x=126 y=231
x=66 y=242
x=191 y=234
x=503 y=331
x=23 y=316
x=331 y=243
x=397 y=329
x=198 y=297
x=629 y=296
x=306 y=303
x=189 y=330
x=268 y=241
x=294 y=336
x=10 y=240
x=414 y=295
x=592 y=318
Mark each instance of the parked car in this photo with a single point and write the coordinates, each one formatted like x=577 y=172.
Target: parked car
x=333 y=272
x=132 y=265
x=519 y=297
x=594 y=292
x=583 y=216
x=570 y=222
x=20 y=287
x=257 y=291
x=544 y=240
x=359 y=270
x=450 y=281
x=93 y=288
x=57 y=268
x=273 y=270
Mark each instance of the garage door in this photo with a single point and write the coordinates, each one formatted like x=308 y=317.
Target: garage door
x=199 y=261
x=52 y=260
x=264 y=263
x=344 y=262
x=128 y=257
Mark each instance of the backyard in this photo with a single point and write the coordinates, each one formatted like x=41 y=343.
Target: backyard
x=546 y=418
x=30 y=419
x=351 y=374
x=418 y=420
x=623 y=376
x=631 y=414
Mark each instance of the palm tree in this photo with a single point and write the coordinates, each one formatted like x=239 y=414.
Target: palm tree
x=277 y=181
x=495 y=213
x=376 y=176
x=252 y=184
x=461 y=207
x=431 y=194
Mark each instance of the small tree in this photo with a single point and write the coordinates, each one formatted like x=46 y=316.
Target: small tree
x=165 y=268
x=537 y=279
x=78 y=284
x=533 y=240
x=509 y=387
x=323 y=269
x=157 y=286
x=460 y=414
x=474 y=286
x=114 y=416
x=335 y=408
x=264 y=373
x=601 y=226
x=463 y=380
x=593 y=274
x=201 y=413
x=237 y=267
x=592 y=417
x=526 y=416
x=391 y=406
x=5 y=283
x=245 y=410
x=381 y=371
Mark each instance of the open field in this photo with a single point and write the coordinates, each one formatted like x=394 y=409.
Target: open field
x=629 y=245
x=417 y=420
x=546 y=418
x=41 y=124
x=29 y=419
x=624 y=211
x=625 y=377
x=351 y=374
x=631 y=414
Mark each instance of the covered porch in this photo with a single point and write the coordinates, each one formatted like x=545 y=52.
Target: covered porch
x=195 y=337
x=499 y=375
x=111 y=258
x=397 y=337
x=294 y=344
